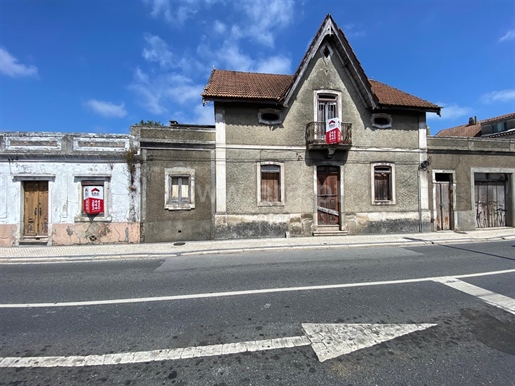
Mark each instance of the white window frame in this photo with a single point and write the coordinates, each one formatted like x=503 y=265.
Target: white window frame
x=105 y=181
x=392 y=183
x=281 y=182
x=316 y=97
x=178 y=172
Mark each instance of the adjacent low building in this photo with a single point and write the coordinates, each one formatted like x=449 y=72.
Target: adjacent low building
x=64 y=188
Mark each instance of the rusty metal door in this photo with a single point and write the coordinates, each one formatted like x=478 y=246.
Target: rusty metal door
x=443 y=206
x=490 y=204
x=328 y=205
x=35 y=218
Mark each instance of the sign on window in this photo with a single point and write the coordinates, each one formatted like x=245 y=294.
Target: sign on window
x=93 y=199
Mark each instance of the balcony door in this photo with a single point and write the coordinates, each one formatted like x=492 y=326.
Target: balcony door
x=327 y=107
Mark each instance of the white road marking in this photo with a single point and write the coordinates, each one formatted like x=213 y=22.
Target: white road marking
x=332 y=340
x=327 y=340
x=243 y=293
x=504 y=302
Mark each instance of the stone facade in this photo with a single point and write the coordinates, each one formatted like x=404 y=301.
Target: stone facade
x=49 y=172
x=178 y=151
x=244 y=144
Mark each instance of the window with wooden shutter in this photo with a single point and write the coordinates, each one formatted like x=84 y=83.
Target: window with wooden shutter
x=383 y=184
x=179 y=188
x=270 y=183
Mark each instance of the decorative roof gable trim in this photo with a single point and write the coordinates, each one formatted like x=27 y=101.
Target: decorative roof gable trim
x=346 y=56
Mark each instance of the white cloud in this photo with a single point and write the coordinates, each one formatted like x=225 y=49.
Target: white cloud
x=265 y=17
x=451 y=111
x=157 y=51
x=9 y=66
x=204 y=115
x=177 y=11
x=498 y=96
x=274 y=65
x=157 y=92
x=510 y=35
x=219 y=27
x=106 y=109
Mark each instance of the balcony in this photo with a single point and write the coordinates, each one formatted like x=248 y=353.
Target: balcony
x=315 y=137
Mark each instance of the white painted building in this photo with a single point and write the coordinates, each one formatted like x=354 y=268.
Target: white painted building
x=45 y=179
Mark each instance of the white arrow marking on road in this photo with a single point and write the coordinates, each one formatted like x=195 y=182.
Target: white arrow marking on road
x=327 y=340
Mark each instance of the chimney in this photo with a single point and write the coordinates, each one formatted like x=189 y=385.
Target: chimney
x=472 y=120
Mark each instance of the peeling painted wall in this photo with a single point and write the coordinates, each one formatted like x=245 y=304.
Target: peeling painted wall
x=65 y=160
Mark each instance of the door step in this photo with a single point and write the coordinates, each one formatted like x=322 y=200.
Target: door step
x=27 y=241
x=329 y=232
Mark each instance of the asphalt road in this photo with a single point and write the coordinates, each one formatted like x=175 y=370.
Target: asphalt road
x=182 y=302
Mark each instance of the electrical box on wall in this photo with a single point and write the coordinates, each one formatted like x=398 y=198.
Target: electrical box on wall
x=93 y=199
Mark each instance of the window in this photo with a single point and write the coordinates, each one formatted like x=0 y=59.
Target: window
x=383 y=184
x=179 y=188
x=381 y=121
x=94 y=203
x=498 y=127
x=327 y=107
x=269 y=116
x=270 y=184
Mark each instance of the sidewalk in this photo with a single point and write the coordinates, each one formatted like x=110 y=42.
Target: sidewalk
x=170 y=249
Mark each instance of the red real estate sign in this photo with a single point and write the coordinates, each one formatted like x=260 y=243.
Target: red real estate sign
x=333 y=133
x=93 y=199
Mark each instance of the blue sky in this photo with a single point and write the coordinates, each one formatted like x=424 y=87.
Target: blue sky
x=103 y=65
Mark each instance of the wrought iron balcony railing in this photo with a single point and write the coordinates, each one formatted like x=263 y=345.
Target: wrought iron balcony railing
x=315 y=135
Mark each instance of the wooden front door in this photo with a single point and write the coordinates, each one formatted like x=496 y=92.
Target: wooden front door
x=35 y=218
x=328 y=203
x=443 y=206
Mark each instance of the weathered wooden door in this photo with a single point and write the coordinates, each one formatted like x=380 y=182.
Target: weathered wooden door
x=328 y=205
x=443 y=206
x=490 y=204
x=35 y=208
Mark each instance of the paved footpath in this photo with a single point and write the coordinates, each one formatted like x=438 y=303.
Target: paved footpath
x=169 y=249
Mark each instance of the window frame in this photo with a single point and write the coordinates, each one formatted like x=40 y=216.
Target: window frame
x=179 y=172
x=383 y=116
x=83 y=181
x=263 y=121
x=319 y=95
x=391 y=183
x=260 y=201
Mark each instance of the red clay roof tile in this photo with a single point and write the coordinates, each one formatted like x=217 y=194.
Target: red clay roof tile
x=225 y=84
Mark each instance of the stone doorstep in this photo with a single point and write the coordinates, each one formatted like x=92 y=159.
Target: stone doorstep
x=33 y=240
x=329 y=231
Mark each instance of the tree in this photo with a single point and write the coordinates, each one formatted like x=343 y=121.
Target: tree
x=149 y=123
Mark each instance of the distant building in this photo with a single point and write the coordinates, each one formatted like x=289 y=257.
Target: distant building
x=502 y=126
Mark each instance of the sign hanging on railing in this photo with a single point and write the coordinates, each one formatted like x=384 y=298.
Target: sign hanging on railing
x=93 y=199
x=333 y=130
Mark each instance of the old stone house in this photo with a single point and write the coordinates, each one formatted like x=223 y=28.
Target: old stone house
x=281 y=168
x=61 y=189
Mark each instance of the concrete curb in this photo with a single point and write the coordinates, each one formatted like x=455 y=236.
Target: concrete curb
x=203 y=252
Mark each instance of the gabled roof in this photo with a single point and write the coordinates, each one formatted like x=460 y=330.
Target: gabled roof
x=234 y=85
x=467 y=130
x=246 y=85
x=474 y=130
x=275 y=88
